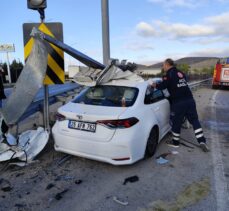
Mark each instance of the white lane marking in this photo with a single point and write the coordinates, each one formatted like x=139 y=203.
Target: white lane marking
x=218 y=168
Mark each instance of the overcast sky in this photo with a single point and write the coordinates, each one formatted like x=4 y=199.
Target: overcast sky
x=142 y=31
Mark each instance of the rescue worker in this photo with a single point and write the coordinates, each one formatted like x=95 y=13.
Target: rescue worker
x=182 y=103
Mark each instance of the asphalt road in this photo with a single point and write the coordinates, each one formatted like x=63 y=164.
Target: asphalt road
x=217 y=121
x=191 y=180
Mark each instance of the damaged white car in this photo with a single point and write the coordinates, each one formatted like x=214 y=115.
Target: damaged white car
x=118 y=122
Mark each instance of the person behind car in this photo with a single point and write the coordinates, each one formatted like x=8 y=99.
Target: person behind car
x=182 y=103
x=2 y=93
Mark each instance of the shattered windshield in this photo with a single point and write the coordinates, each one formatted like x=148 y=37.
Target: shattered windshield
x=116 y=96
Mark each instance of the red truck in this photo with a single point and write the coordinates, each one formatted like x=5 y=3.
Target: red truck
x=221 y=75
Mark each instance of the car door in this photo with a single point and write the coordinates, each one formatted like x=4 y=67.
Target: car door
x=159 y=105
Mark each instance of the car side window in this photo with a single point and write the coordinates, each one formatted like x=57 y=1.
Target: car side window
x=153 y=95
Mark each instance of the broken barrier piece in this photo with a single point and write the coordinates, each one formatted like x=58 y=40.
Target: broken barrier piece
x=29 y=144
x=131 y=179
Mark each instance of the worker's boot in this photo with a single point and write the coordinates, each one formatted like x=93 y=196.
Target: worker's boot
x=173 y=143
x=204 y=147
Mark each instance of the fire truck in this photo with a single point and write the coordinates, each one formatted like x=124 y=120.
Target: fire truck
x=221 y=74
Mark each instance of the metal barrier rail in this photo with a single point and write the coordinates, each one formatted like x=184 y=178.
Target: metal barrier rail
x=194 y=85
x=54 y=91
x=61 y=90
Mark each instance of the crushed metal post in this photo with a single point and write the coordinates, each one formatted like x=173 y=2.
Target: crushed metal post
x=29 y=143
x=29 y=82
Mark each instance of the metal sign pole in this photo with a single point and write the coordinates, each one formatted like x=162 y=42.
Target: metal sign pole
x=46 y=107
x=105 y=31
x=46 y=90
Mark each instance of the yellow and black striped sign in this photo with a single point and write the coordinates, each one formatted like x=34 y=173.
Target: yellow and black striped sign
x=55 y=68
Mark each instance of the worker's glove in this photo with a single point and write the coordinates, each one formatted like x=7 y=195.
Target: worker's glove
x=153 y=85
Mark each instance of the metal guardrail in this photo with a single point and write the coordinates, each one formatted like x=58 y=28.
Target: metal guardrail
x=196 y=84
x=61 y=90
x=54 y=91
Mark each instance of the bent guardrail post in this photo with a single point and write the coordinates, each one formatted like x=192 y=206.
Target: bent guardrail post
x=88 y=61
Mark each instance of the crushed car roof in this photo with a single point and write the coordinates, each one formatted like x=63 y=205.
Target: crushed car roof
x=111 y=73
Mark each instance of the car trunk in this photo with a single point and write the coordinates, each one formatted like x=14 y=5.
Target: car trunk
x=81 y=121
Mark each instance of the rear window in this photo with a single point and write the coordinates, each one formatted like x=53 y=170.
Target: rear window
x=116 y=96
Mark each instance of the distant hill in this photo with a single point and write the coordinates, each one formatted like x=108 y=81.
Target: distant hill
x=141 y=66
x=193 y=62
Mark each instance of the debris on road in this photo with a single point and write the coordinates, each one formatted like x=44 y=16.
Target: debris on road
x=78 y=182
x=124 y=203
x=131 y=179
x=49 y=186
x=63 y=159
x=5 y=185
x=64 y=177
x=29 y=144
x=59 y=196
x=161 y=160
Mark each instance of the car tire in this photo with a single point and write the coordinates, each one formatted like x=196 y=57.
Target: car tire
x=215 y=87
x=152 y=143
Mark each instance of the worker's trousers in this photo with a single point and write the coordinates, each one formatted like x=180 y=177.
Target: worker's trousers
x=185 y=109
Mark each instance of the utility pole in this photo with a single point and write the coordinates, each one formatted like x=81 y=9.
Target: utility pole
x=105 y=31
x=8 y=67
x=6 y=48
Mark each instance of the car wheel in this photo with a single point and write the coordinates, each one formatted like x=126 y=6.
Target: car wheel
x=215 y=87
x=152 y=142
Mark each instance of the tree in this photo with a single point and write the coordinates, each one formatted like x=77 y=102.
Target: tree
x=184 y=68
x=16 y=65
x=15 y=69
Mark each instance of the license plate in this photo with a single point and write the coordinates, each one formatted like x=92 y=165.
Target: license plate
x=85 y=126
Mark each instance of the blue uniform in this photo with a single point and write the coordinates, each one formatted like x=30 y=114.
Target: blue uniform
x=182 y=103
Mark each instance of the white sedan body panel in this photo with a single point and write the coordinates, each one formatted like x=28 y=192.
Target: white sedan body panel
x=88 y=113
x=160 y=110
x=116 y=146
